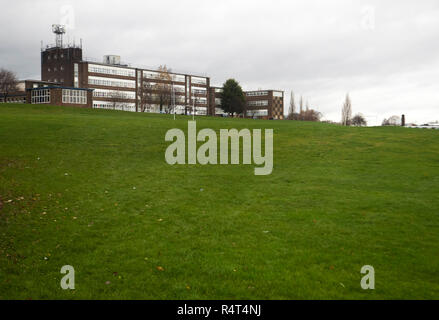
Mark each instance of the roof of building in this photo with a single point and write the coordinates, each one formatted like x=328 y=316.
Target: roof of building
x=59 y=87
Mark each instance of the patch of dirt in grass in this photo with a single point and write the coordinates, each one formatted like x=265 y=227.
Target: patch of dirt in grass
x=11 y=164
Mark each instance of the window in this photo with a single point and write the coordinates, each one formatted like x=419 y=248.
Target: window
x=199 y=91
x=179 y=78
x=114 y=106
x=40 y=96
x=256 y=93
x=102 y=93
x=55 y=69
x=94 y=68
x=62 y=55
x=197 y=80
x=109 y=82
x=257 y=113
x=278 y=94
x=73 y=96
x=48 y=69
x=200 y=100
x=62 y=68
x=258 y=103
x=151 y=74
x=76 y=76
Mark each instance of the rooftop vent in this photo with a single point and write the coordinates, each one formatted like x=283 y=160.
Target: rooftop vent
x=112 y=59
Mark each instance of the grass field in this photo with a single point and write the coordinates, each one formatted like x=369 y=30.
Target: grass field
x=91 y=189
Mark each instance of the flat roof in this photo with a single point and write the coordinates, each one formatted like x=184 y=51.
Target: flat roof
x=140 y=67
x=59 y=87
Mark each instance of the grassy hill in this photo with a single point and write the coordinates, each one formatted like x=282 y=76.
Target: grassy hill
x=91 y=189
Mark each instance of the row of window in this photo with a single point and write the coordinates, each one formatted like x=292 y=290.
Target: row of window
x=55 y=69
x=258 y=103
x=200 y=100
x=98 y=81
x=114 y=106
x=55 y=56
x=102 y=93
x=199 y=80
x=56 y=80
x=257 y=113
x=157 y=75
x=76 y=76
x=198 y=91
x=40 y=96
x=74 y=96
x=111 y=70
x=257 y=93
x=13 y=100
x=177 y=88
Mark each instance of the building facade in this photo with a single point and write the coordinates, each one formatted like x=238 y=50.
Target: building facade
x=46 y=92
x=111 y=84
x=265 y=104
x=260 y=104
x=121 y=87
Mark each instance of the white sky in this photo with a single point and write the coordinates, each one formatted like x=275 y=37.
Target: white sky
x=384 y=53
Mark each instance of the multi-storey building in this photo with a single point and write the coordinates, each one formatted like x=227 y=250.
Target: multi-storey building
x=119 y=86
x=215 y=101
x=45 y=92
x=115 y=85
x=264 y=104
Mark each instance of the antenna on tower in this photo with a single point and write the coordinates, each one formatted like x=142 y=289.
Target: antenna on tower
x=59 y=30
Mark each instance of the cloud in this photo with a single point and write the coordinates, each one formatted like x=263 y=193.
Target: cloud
x=384 y=53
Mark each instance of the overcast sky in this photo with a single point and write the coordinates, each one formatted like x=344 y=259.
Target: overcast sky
x=384 y=53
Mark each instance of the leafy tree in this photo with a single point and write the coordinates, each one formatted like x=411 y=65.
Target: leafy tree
x=232 y=98
x=359 y=120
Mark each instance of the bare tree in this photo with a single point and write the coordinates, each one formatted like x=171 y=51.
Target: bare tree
x=292 y=109
x=392 y=121
x=359 y=120
x=308 y=115
x=346 y=113
x=164 y=89
x=116 y=97
x=8 y=83
x=146 y=96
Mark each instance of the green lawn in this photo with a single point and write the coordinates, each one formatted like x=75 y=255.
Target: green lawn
x=91 y=189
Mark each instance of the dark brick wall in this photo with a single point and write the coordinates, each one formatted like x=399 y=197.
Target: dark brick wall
x=60 y=58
